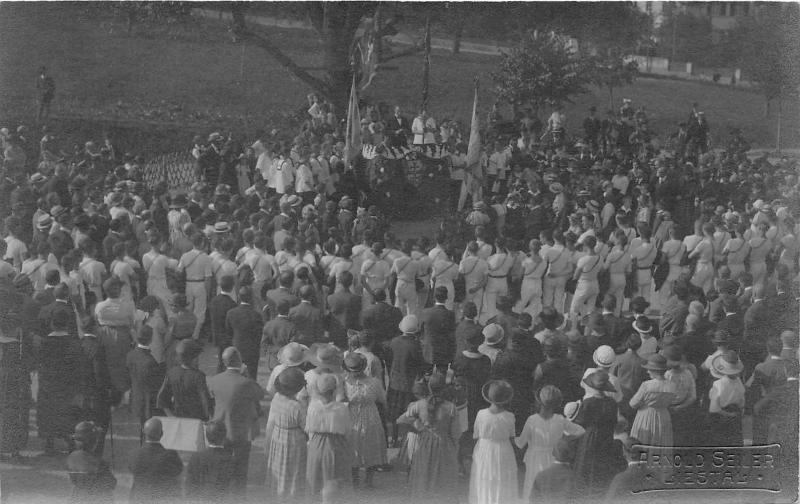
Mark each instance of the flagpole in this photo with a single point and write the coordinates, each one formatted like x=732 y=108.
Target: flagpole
x=426 y=64
x=347 y=144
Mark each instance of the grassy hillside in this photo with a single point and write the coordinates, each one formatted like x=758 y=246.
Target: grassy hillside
x=176 y=80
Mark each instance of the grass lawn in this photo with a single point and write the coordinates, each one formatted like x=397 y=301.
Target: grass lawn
x=162 y=84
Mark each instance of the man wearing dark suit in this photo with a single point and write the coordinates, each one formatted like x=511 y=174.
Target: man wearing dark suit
x=237 y=405
x=630 y=374
x=209 y=163
x=146 y=377
x=615 y=332
x=60 y=304
x=244 y=324
x=733 y=321
x=381 y=319
x=345 y=306
x=218 y=309
x=282 y=293
x=674 y=315
x=52 y=279
x=467 y=327
x=766 y=376
x=758 y=326
x=555 y=483
x=155 y=469
x=438 y=326
x=307 y=318
x=398 y=128
x=209 y=472
x=784 y=306
x=280 y=330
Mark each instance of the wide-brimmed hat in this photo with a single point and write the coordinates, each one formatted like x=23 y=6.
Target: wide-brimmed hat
x=292 y=354
x=43 y=222
x=642 y=325
x=215 y=136
x=726 y=364
x=179 y=201
x=655 y=362
x=409 y=324
x=479 y=205
x=599 y=381
x=593 y=206
x=355 y=362
x=290 y=381
x=294 y=200
x=328 y=357
x=497 y=392
x=556 y=187
x=38 y=178
x=493 y=334
x=604 y=356
x=222 y=227
x=188 y=349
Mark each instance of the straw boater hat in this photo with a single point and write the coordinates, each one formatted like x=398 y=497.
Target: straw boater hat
x=293 y=354
x=571 y=410
x=498 y=392
x=44 y=222
x=222 y=227
x=604 y=356
x=656 y=362
x=290 y=381
x=58 y=211
x=642 y=325
x=327 y=357
x=726 y=364
x=294 y=200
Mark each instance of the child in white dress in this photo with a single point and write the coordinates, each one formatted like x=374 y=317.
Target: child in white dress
x=541 y=433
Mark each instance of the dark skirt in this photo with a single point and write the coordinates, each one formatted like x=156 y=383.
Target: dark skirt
x=15 y=401
x=684 y=426
x=397 y=402
x=330 y=458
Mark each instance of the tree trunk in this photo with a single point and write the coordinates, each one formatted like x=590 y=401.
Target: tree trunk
x=778 y=140
x=457 y=34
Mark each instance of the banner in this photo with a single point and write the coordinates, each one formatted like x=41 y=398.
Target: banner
x=474 y=146
x=352 y=143
x=365 y=52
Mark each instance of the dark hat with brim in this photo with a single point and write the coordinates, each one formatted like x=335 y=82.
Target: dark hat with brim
x=599 y=381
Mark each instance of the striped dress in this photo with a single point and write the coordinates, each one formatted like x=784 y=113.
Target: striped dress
x=286 y=448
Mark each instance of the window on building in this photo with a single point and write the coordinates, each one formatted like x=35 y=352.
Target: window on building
x=732 y=9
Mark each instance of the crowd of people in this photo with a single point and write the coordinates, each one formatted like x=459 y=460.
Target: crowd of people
x=604 y=289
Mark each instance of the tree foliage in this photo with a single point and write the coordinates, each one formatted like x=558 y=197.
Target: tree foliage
x=768 y=48
x=542 y=70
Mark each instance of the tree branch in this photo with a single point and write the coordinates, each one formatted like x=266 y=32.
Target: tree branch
x=264 y=43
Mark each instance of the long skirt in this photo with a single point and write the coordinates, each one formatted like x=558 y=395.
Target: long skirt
x=653 y=426
x=434 y=466
x=330 y=458
x=15 y=399
x=493 y=478
x=286 y=462
x=366 y=435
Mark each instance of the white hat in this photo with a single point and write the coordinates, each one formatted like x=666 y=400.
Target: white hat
x=493 y=334
x=409 y=324
x=604 y=356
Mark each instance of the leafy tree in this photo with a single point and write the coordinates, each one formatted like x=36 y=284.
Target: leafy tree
x=684 y=37
x=768 y=45
x=542 y=70
x=611 y=71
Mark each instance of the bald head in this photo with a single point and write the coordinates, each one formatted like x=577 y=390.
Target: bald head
x=231 y=358
x=152 y=430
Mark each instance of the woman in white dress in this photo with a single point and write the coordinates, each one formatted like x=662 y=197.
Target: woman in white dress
x=533 y=268
x=445 y=272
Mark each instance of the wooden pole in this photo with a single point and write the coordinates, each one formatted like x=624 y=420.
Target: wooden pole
x=426 y=64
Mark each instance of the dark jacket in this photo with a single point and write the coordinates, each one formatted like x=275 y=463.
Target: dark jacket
x=438 y=326
x=155 y=474
x=245 y=324
x=464 y=330
x=91 y=478
x=185 y=394
x=218 y=309
x=208 y=475
x=236 y=403
x=309 y=322
x=146 y=378
x=275 y=296
x=406 y=361
x=346 y=308
x=279 y=331
x=381 y=320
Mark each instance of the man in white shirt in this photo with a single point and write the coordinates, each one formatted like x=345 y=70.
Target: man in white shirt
x=476 y=274
x=375 y=273
x=197 y=266
x=406 y=269
x=424 y=129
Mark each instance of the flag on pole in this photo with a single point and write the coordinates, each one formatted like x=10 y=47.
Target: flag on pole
x=352 y=143
x=365 y=52
x=426 y=64
x=474 y=146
